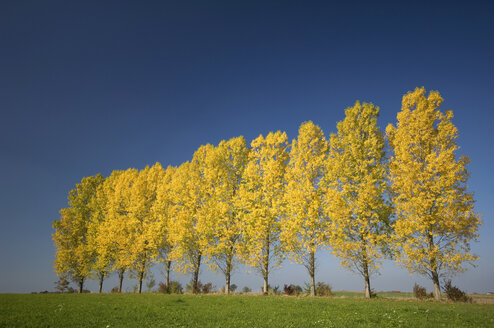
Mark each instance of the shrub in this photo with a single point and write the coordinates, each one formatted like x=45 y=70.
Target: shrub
x=323 y=289
x=246 y=290
x=292 y=290
x=207 y=288
x=150 y=284
x=454 y=293
x=62 y=285
x=189 y=287
x=420 y=292
x=114 y=290
x=233 y=288
x=173 y=288
x=273 y=291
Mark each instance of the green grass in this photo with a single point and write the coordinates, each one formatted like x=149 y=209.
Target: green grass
x=157 y=310
x=379 y=294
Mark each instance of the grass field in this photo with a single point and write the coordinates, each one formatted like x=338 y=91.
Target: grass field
x=158 y=310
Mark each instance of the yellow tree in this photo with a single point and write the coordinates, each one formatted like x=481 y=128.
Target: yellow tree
x=260 y=200
x=223 y=172
x=114 y=232
x=357 y=193
x=100 y=251
x=303 y=226
x=163 y=210
x=141 y=224
x=74 y=256
x=435 y=215
x=189 y=225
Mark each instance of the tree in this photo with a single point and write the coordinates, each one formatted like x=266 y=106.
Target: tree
x=357 y=192
x=163 y=209
x=303 y=226
x=141 y=224
x=223 y=173
x=114 y=235
x=260 y=200
x=192 y=206
x=100 y=248
x=62 y=284
x=74 y=258
x=436 y=219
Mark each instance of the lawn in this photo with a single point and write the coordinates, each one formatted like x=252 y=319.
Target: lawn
x=158 y=310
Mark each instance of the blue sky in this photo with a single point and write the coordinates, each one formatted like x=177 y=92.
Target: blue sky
x=89 y=87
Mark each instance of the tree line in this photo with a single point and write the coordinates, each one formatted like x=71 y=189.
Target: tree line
x=362 y=194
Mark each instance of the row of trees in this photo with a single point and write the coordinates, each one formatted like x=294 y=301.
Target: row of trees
x=272 y=201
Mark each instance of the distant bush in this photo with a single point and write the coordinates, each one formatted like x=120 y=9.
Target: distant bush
x=150 y=284
x=62 y=285
x=173 y=288
x=114 y=290
x=233 y=288
x=323 y=289
x=273 y=291
x=207 y=288
x=454 y=293
x=189 y=287
x=292 y=290
x=201 y=288
x=420 y=292
x=246 y=290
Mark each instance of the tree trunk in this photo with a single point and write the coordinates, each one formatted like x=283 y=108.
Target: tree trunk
x=437 y=289
x=366 y=279
x=195 y=280
x=141 y=276
x=101 y=277
x=81 y=285
x=434 y=273
x=120 y=279
x=365 y=267
x=227 y=283
x=228 y=273
x=265 y=268
x=312 y=271
x=265 y=285
x=168 y=266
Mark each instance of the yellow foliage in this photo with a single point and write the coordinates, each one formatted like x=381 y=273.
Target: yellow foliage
x=356 y=190
x=163 y=211
x=304 y=225
x=114 y=234
x=436 y=218
x=223 y=172
x=260 y=201
x=142 y=225
x=188 y=227
x=74 y=256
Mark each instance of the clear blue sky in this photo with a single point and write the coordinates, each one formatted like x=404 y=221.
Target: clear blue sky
x=88 y=87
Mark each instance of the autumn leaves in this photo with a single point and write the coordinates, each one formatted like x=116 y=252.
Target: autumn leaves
x=272 y=201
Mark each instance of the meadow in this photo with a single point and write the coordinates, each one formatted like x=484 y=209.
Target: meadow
x=160 y=310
